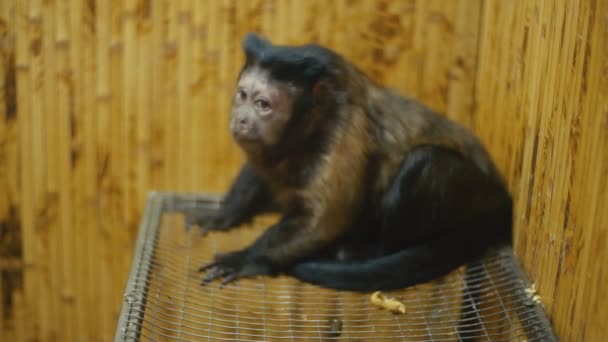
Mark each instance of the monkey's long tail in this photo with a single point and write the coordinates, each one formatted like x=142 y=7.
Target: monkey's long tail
x=402 y=269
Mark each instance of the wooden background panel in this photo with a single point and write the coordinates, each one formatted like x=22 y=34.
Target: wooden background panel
x=103 y=101
x=542 y=109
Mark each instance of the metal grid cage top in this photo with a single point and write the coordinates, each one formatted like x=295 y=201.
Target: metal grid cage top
x=489 y=300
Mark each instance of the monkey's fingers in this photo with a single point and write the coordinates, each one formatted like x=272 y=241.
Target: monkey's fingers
x=207 y=266
x=229 y=279
x=213 y=274
x=206 y=281
x=188 y=226
x=217 y=261
x=205 y=228
x=248 y=270
x=190 y=219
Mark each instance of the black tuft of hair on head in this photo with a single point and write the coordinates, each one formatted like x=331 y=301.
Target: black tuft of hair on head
x=254 y=47
x=301 y=64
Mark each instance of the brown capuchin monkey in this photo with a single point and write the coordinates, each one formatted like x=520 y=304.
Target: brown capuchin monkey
x=376 y=190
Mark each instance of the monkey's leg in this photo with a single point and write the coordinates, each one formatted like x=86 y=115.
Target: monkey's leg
x=438 y=194
x=292 y=238
x=441 y=212
x=248 y=196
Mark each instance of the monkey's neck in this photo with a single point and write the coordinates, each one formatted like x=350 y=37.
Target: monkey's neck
x=290 y=168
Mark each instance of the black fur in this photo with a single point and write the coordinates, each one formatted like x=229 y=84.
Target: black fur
x=248 y=196
x=302 y=65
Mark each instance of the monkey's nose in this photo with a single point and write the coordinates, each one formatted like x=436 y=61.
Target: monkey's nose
x=243 y=125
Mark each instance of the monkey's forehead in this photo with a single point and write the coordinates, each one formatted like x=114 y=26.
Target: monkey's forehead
x=256 y=73
x=256 y=78
x=260 y=84
x=260 y=77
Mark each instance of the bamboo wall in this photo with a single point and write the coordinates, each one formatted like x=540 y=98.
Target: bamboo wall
x=542 y=108
x=101 y=101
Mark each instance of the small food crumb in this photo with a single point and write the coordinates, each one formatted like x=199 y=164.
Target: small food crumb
x=530 y=291
x=380 y=300
x=532 y=294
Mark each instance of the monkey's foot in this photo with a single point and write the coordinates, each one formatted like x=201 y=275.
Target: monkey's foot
x=230 y=266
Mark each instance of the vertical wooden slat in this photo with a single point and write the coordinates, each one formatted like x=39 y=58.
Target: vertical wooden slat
x=22 y=62
x=63 y=90
x=578 y=302
x=210 y=115
x=50 y=149
x=558 y=131
x=38 y=178
x=117 y=233
x=49 y=63
x=225 y=88
x=144 y=108
x=199 y=80
x=463 y=61
x=129 y=109
x=596 y=301
x=531 y=151
x=7 y=113
x=124 y=78
x=545 y=78
x=169 y=94
x=438 y=27
x=71 y=132
x=102 y=95
x=86 y=140
x=182 y=111
x=4 y=136
x=21 y=326
x=157 y=133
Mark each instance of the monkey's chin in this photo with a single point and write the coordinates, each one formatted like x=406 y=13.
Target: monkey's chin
x=248 y=144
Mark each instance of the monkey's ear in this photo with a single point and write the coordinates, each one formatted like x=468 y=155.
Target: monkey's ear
x=254 y=47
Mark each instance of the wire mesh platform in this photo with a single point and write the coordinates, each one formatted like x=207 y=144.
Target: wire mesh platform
x=489 y=300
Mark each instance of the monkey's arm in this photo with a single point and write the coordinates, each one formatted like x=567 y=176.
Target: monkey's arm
x=247 y=196
x=323 y=212
x=294 y=237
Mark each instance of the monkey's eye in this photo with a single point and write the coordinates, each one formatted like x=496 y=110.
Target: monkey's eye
x=263 y=105
x=241 y=95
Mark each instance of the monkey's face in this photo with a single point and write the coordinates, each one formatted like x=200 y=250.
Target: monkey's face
x=260 y=110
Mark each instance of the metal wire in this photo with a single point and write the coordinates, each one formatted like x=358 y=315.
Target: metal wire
x=164 y=300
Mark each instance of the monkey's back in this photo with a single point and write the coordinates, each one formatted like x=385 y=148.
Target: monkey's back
x=399 y=124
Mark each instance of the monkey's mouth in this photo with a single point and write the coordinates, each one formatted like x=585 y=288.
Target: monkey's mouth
x=246 y=140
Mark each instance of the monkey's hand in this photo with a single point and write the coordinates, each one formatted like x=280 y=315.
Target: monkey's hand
x=232 y=266
x=207 y=221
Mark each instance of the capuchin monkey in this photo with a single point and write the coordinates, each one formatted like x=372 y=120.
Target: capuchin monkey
x=376 y=191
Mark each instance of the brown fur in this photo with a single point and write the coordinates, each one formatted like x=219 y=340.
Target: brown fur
x=378 y=125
